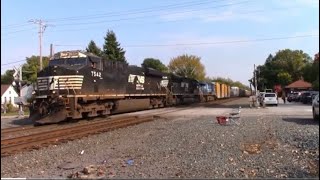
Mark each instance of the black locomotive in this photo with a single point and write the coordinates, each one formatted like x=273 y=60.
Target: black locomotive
x=78 y=85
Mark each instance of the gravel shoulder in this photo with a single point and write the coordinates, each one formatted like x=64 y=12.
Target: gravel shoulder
x=272 y=142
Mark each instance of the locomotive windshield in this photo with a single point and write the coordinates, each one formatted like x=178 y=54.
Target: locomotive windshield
x=69 y=62
x=75 y=59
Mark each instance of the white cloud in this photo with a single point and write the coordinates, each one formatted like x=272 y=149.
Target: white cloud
x=197 y=41
x=270 y=12
x=209 y=16
x=300 y=3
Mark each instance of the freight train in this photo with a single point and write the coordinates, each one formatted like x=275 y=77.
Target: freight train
x=78 y=85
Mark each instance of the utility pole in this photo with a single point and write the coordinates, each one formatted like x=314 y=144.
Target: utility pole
x=42 y=27
x=255 y=83
x=255 y=79
x=21 y=113
x=51 y=50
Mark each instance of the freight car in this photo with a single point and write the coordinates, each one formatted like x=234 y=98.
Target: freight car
x=78 y=85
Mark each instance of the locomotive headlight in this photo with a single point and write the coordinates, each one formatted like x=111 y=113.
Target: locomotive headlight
x=53 y=92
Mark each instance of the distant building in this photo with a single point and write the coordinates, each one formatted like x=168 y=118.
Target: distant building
x=299 y=85
x=8 y=94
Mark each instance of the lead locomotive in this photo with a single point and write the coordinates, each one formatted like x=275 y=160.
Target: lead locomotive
x=78 y=85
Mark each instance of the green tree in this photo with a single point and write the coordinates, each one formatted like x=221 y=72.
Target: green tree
x=288 y=64
x=155 y=64
x=187 y=66
x=284 y=78
x=312 y=73
x=93 y=48
x=227 y=81
x=291 y=61
x=7 y=77
x=30 y=69
x=111 y=48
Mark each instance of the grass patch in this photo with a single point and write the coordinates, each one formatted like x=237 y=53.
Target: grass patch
x=15 y=113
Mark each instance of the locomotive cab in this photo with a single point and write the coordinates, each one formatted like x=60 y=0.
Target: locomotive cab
x=75 y=60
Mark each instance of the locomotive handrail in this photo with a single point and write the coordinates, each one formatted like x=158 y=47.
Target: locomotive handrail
x=67 y=82
x=58 y=86
x=67 y=86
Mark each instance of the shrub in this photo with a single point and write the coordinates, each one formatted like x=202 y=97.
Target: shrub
x=10 y=108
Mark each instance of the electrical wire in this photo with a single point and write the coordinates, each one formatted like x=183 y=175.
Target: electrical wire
x=13 y=62
x=137 y=11
x=170 y=21
x=140 y=17
x=207 y=43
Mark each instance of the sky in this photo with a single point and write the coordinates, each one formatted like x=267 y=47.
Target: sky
x=229 y=36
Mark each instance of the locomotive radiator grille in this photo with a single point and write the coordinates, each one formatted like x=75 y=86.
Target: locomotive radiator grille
x=60 y=82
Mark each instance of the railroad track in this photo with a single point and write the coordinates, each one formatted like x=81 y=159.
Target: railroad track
x=35 y=141
x=6 y=131
x=46 y=135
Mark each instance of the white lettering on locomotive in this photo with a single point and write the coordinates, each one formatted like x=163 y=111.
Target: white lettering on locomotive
x=164 y=83
x=96 y=74
x=139 y=87
x=140 y=79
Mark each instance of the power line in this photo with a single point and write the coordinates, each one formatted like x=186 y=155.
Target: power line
x=15 y=25
x=42 y=27
x=139 y=17
x=137 y=11
x=205 y=43
x=224 y=42
x=13 y=62
x=129 y=12
x=160 y=22
x=13 y=32
x=195 y=44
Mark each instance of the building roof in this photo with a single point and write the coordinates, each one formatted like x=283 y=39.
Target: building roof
x=299 y=84
x=4 y=87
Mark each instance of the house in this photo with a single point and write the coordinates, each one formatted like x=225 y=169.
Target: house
x=8 y=94
x=299 y=85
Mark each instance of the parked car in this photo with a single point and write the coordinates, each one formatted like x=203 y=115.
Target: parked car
x=313 y=95
x=298 y=97
x=315 y=107
x=269 y=99
x=305 y=96
x=292 y=96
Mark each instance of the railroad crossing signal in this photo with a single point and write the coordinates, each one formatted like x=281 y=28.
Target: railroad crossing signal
x=16 y=74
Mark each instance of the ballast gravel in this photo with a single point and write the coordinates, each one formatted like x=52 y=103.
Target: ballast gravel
x=265 y=144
